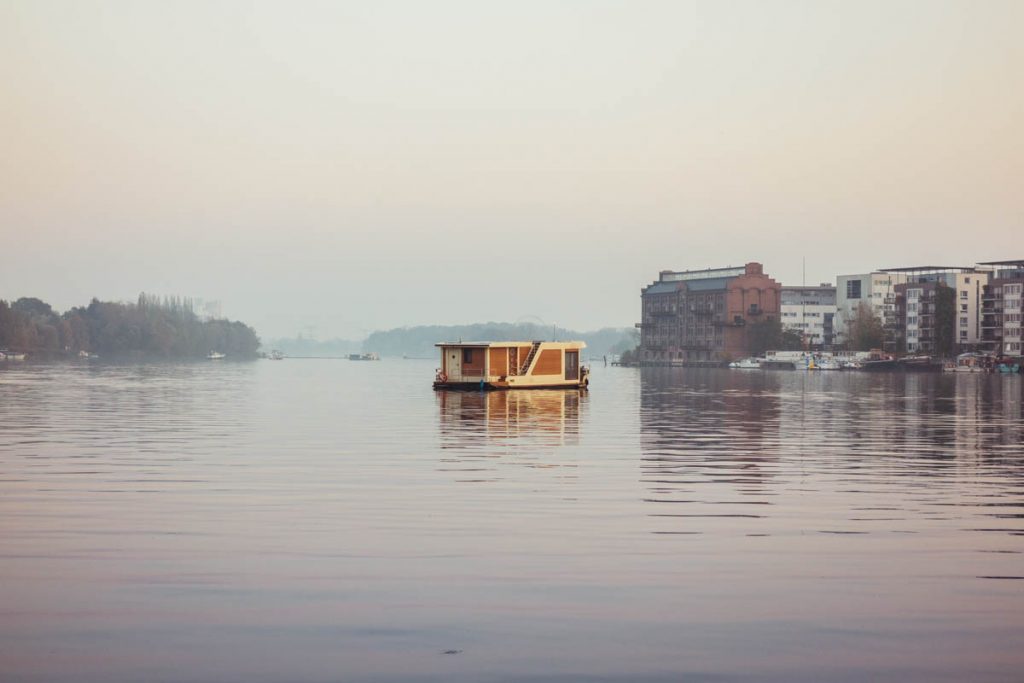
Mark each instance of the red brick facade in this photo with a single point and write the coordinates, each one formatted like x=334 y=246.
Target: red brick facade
x=704 y=316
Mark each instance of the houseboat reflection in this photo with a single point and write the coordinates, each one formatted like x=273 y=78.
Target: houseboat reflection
x=468 y=419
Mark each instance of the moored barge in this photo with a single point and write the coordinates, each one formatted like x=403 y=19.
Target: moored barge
x=511 y=365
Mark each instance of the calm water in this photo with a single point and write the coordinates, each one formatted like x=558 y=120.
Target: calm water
x=317 y=520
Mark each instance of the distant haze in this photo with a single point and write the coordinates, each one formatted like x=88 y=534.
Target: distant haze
x=337 y=168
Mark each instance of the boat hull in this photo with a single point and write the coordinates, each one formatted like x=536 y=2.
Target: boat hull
x=500 y=386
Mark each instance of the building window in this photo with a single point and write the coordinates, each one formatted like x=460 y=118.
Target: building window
x=963 y=334
x=963 y=293
x=963 y=307
x=853 y=289
x=963 y=321
x=467 y=355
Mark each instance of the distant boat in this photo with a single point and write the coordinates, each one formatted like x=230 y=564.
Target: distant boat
x=216 y=355
x=276 y=355
x=747 y=364
x=11 y=355
x=363 y=356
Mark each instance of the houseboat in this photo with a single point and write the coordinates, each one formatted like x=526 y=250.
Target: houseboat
x=511 y=365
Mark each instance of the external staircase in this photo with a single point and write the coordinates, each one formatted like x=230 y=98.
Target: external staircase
x=529 y=358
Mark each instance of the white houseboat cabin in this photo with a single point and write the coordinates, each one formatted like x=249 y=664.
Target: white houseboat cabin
x=511 y=365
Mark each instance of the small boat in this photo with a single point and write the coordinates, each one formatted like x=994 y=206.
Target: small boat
x=879 y=365
x=826 y=363
x=919 y=364
x=511 y=365
x=11 y=355
x=216 y=355
x=784 y=360
x=747 y=364
x=276 y=355
x=970 y=363
x=363 y=356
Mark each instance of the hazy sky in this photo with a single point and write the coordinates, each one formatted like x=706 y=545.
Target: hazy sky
x=352 y=166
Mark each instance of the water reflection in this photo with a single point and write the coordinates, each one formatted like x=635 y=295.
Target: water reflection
x=320 y=520
x=480 y=432
x=469 y=418
x=848 y=443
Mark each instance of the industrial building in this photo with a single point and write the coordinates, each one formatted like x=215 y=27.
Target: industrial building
x=703 y=316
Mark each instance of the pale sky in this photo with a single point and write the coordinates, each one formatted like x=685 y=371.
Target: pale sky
x=345 y=167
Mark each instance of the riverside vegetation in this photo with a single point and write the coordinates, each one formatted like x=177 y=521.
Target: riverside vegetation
x=152 y=327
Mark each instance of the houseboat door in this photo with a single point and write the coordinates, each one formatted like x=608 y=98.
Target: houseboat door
x=453 y=363
x=572 y=364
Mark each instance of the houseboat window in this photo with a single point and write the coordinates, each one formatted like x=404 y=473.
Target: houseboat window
x=467 y=355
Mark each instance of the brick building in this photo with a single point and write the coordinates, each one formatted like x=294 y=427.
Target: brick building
x=702 y=316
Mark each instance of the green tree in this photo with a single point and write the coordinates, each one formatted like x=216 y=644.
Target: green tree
x=764 y=335
x=865 y=329
x=945 y=320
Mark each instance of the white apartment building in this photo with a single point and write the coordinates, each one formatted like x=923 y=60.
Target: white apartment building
x=811 y=312
x=917 y=312
x=877 y=289
x=1002 y=309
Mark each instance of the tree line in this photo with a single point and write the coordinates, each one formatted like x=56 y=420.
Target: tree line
x=419 y=341
x=158 y=327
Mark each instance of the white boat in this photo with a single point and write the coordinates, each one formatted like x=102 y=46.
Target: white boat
x=216 y=355
x=826 y=363
x=276 y=355
x=10 y=355
x=971 y=362
x=747 y=364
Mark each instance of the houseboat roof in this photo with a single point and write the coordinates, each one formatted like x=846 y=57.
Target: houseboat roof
x=503 y=344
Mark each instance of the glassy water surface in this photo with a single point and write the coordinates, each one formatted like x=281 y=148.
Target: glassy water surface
x=318 y=520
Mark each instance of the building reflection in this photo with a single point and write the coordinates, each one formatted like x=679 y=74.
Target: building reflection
x=699 y=418
x=738 y=428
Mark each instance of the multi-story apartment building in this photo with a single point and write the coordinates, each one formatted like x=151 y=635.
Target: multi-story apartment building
x=1001 y=309
x=926 y=322
x=811 y=312
x=704 y=315
x=877 y=290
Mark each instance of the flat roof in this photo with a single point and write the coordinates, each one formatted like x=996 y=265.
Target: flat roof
x=509 y=342
x=687 y=275
x=920 y=269
x=1002 y=263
